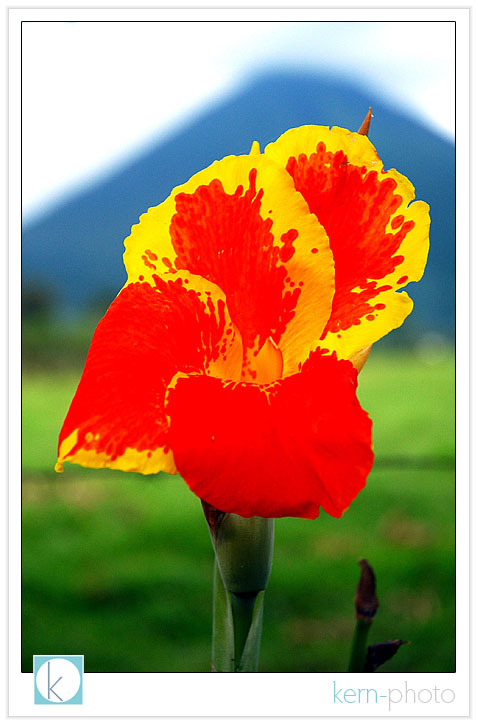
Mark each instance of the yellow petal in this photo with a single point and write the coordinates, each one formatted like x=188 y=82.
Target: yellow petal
x=241 y=225
x=379 y=240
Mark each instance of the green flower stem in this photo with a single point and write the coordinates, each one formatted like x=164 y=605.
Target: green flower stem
x=242 y=616
x=359 y=645
x=249 y=661
x=243 y=549
x=222 y=627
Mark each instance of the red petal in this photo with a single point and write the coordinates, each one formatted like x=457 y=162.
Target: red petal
x=355 y=206
x=117 y=416
x=379 y=240
x=225 y=238
x=241 y=225
x=283 y=449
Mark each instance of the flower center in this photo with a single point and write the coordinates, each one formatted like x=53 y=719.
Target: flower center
x=264 y=367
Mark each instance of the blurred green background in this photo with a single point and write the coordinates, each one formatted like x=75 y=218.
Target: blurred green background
x=118 y=567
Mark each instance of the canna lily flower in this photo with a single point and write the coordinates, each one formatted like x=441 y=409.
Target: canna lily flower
x=254 y=293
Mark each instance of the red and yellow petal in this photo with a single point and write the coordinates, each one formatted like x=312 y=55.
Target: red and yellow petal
x=379 y=240
x=285 y=449
x=150 y=332
x=241 y=225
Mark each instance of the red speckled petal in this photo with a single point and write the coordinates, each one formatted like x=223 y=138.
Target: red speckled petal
x=149 y=333
x=285 y=449
x=241 y=224
x=379 y=240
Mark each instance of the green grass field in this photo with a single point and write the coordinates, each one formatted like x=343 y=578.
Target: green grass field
x=118 y=567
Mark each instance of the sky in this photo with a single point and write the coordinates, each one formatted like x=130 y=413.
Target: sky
x=96 y=93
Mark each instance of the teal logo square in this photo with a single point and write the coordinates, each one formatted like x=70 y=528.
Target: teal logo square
x=58 y=679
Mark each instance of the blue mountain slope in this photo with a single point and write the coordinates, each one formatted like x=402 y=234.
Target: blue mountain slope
x=77 y=248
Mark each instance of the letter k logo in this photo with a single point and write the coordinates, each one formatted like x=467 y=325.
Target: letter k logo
x=50 y=687
x=58 y=679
